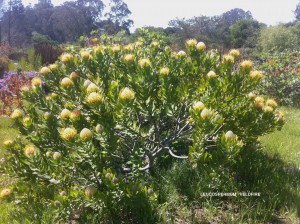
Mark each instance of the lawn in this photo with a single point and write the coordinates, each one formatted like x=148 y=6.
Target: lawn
x=281 y=149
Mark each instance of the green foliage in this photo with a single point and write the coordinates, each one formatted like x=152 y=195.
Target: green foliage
x=277 y=38
x=244 y=33
x=281 y=76
x=114 y=112
x=32 y=63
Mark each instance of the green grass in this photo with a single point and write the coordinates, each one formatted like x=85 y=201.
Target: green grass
x=274 y=171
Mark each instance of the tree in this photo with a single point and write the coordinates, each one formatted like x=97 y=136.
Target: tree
x=118 y=16
x=244 y=33
x=297 y=12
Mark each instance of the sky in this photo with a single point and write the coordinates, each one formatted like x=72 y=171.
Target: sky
x=158 y=13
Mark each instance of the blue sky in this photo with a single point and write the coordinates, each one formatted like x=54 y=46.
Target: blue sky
x=160 y=12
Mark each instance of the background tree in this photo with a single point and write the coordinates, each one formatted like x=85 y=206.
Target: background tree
x=297 y=12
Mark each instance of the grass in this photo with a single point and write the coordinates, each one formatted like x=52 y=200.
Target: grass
x=273 y=171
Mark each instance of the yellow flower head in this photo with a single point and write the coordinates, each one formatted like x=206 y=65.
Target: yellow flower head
x=201 y=46
x=251 y=95
x=280 y=116
x=116 y=48
x=229 y=135
x=27 y=122
x=5 y=193
x=234 y=52
x=164 y=71
x=85 y=55
x=191 y=43
x=66 y=83
x=68 y=133
x=155 y=43
x=66 y=58
x=198 y=106
x=211 y=74
x=126 y=94
x=227 y=58
x=53 y=67
x=99 y=128
x=268 y=109
x=92 y=88
x=256 y=75
x=271 y=103
x=75 y=115
x=73 y=76
x=45 y=71
x=90 y=191
x=8 y=143
x=30 y=150
x=65 y=114
x=85 y=134
x=25 y=88
x=145 y=62
x=181 y=54
x=36 y=82
x=138 y=44
x=56 y=156
x=86 y=83
x=129 y=47
x=94 y=98
x=206 y=113
x=259 y=99
x=129 y=58
x=247 y=65
x=17 y=113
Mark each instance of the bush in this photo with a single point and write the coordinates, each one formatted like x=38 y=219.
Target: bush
x=281 y=76
x=115 y=112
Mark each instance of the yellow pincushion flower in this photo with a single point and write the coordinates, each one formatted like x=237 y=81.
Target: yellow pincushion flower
x=259 y=99
x=191 y=43
x=65 y=114
x=246 y=65
x=53 y=67
x=198 y=106
x=8 y=143
x=155 y=44
x=30 y=150
x=251 y=95
x=164 y=71
x=145 y=62
x=129 y=58
x=234 y=52
x=56 y=156
x=181 y=54
x=36 y=82
x=27 y=122
x=17 y=113
x=85 y=134
x=268 y=109
x=25 y=88
x=129 y=47
x=126 y=94
x=271 y=103
x=94 y=98
x=5 y=193
x=45 y=71
x=92 y=88
x=201 y=46
x=85 y=55
x=75 y=115
x=229 y=135
x=86 y=83
x=73 y=76
x=68 y=133
x=228 y=58
x=256 y=75
x=66 y=83
x=138 y=44
x=116 y=48
x=280 y=116
x=205 y=114
x=211 y=74
x=90 y=191
x=66 y=58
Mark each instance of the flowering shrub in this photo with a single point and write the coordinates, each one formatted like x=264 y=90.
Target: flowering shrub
x=11 y=86
x=282 y=76
x=114 y=111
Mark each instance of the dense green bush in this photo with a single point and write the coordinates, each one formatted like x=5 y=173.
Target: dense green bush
x=281 y=76
x=114 y=113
